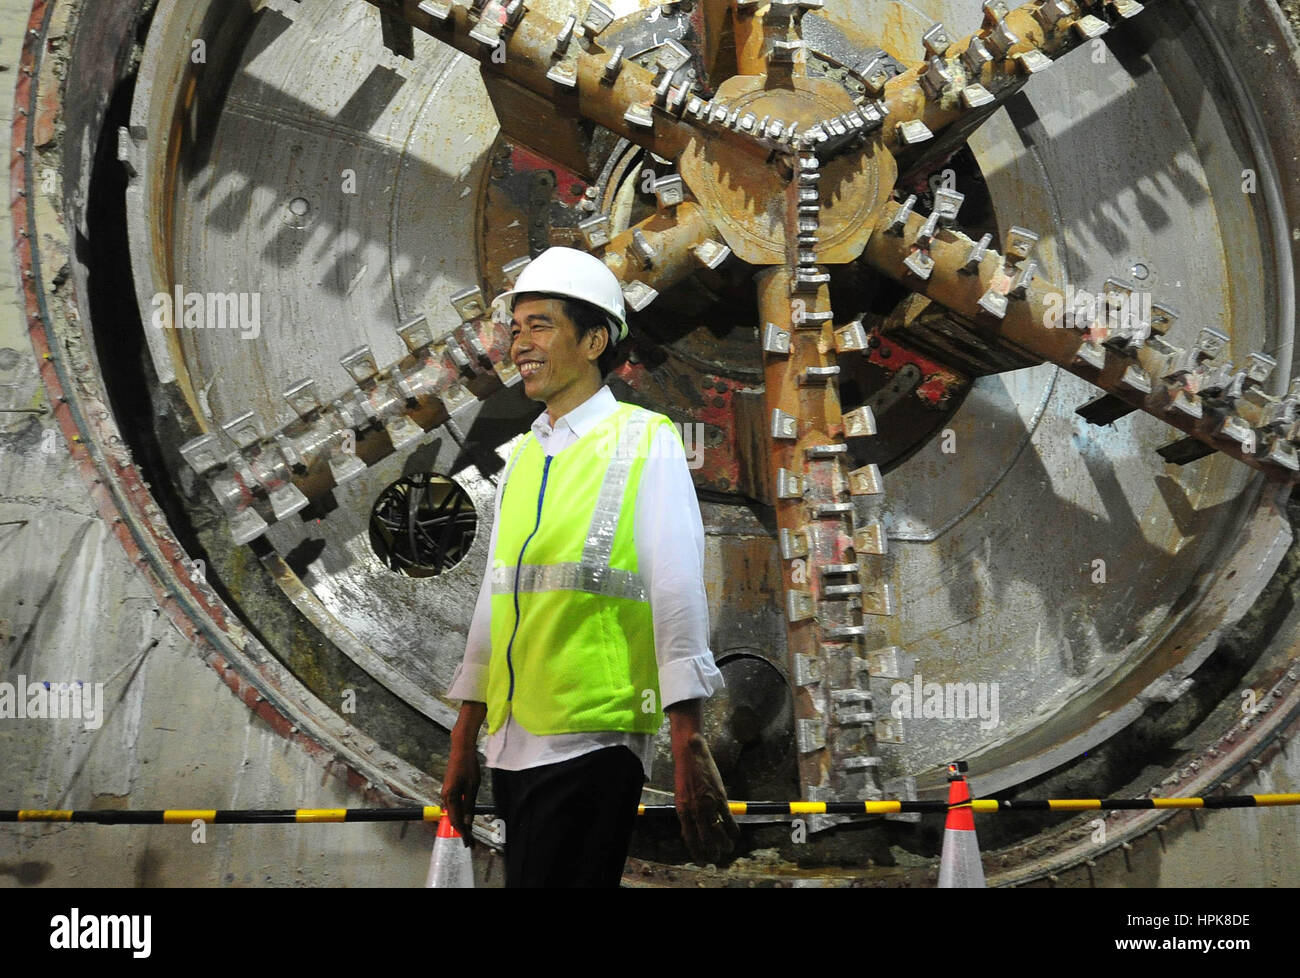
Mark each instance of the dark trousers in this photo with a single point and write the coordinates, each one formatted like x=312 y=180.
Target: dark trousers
x=569 y=823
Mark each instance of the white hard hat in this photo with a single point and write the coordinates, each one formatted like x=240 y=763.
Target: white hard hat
x=577 y=275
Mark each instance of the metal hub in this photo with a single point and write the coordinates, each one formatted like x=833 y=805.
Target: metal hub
x=746 y=200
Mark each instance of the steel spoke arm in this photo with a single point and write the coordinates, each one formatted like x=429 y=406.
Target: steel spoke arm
x=665 y=248
x=1116 y=343
x=553 y=60
x=937 y=104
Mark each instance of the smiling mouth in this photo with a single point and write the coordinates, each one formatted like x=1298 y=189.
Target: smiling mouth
x=529 y=367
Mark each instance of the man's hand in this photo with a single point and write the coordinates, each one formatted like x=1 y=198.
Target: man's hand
x=708 y=828
x=460 y=785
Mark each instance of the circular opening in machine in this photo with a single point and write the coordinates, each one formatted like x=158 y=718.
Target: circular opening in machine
x=423 y=525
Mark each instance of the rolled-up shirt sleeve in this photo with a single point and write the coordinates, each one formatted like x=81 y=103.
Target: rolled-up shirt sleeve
x=469 y=682
x=670 y=556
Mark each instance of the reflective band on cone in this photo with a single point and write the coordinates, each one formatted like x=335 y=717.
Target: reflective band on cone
x=960 y=865
x=450 y=866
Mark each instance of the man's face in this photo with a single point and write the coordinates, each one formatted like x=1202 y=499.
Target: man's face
x=545 y=348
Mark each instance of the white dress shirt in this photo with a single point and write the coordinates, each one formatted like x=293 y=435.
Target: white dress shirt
x=669 y=536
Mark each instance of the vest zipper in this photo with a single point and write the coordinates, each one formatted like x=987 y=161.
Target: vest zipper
x=518 y=565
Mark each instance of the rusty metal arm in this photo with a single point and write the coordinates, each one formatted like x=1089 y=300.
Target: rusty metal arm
x=555 y=60
x=935 y=105
x=665 y=248
x=1116 y=343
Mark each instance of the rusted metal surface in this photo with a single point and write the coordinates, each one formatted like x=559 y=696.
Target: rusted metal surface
x=830 y=577
x=746 y=203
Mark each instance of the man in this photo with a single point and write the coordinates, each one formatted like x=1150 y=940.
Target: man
x=592 y=620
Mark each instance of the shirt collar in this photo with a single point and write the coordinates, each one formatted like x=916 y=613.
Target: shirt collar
x=582 y=418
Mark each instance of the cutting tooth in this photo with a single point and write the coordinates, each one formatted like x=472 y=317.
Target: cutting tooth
x=819 y=375
x=595 y=231
x=976 y=96
x=936 y=78
x=638 y=295
x=512 y=269
x=976 y=255
x=1125 y=9
x=825 y=511
x=860 y=422
x=852 y=337
x=788 y=485
x=793 y=543
x=833 y=450
x=798 y=605
x=669 y=191
x=432 y=8
x=1020 y=288
x=871 y=539
x=874 y=75
x=1050 y=12
x=204 y=453
x=469 y=303
x=1091 y=354
x=643 y=249
x=925 y=235
x=975 y=57
x=302 y=396
x=1020 y=243
x=1033 y=61
x=1185 y=402
x=1280 y=452
x=244 y=430
x=415 y=334
x=919 y=264
x=639 y=114
x=672 y=55
x=994 y=303
x=597 y=18
x=775 y=339
x=565 y=34
x=1136 y=379
x=711 y=254
x=914 y=131
x=286 y=500
x=936 y=41
x=402 y=432
x=1089 y=27
x=866 y=481
x=784 y=425
x=360 y=364
x=614 y=65
x=998 y=36
x=900 y=220
x=1235 y=428
x=1259 y=367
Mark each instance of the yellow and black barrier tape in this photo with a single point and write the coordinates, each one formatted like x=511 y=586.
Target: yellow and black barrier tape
x=432 y=813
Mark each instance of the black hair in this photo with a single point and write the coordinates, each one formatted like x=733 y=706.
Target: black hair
x=588 y=317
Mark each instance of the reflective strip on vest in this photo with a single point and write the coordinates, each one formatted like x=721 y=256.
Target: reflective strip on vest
x=593 y=573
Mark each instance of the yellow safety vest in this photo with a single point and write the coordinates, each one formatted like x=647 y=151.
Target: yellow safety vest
x=572 y=636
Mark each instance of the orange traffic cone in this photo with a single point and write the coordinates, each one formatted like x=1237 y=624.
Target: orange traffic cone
x=450 y=866
x=960 y=865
